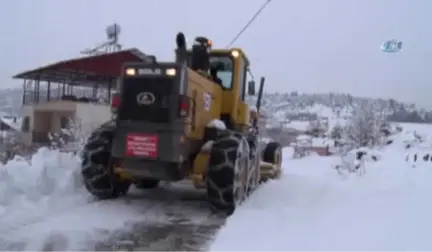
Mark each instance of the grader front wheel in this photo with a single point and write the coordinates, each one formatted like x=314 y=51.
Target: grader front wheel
x=255 y=158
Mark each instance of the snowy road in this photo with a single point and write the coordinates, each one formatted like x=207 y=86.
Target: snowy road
x=173 y=217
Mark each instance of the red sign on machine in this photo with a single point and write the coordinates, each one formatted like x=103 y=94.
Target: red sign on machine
x=141 y=145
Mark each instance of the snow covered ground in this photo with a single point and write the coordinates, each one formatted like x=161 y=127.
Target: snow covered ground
x=44 y=206
x=313 y=208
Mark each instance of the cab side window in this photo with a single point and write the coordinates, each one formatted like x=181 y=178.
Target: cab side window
x=242 y=78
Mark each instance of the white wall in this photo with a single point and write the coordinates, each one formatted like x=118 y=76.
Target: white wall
x=90 y=116
x=56 y=106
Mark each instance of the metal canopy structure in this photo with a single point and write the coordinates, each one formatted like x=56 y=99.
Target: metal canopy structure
x=99 y=69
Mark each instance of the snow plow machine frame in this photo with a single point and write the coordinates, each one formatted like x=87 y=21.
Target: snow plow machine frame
x=179 y=120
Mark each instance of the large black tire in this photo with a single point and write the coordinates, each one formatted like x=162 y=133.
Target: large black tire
x=96 y=169
x=272 y=153
x=227 y=173
x=147 y=184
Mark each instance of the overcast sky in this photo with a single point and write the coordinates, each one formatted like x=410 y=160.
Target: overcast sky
x=303 y=45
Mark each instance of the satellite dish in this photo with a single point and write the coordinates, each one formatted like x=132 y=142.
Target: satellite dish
x=111 y=45
x=113 y=31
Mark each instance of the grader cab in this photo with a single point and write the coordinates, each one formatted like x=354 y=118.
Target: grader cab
x=186 y=119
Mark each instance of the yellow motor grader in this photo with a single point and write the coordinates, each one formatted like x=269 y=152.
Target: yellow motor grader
x=179 y=120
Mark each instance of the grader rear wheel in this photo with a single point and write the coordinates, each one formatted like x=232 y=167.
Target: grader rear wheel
x=227 y=174
x=96 y=171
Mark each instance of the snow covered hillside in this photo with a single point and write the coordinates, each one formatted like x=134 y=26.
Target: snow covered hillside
x=294 y=106
x=281 y=106
x=314 y=208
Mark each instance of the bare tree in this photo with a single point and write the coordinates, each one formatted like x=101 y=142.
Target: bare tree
x=364 y=128
x=336 y=132
x=73 y=137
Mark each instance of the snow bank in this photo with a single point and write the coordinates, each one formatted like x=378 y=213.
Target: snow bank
x=32 y=188
x=313 y=208
x=406 y=147
x=45 y=207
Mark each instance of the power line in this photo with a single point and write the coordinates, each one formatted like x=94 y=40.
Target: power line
x=249 y=23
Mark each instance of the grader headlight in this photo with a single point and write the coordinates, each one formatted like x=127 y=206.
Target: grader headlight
x=170 y=72
x=130 y=71
x=235 y=53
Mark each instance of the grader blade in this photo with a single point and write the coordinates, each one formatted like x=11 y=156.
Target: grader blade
x=269 y=171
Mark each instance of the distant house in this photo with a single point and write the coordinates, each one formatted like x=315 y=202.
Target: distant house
x=10 y=128
x=296 y=127
x=10 y=123
x=306 y=143
x=320 y=150
x=5 y=127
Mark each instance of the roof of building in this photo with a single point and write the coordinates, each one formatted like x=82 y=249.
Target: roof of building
x=100 y=68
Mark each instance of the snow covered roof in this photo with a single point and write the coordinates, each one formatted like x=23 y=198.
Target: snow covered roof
x=297 y=125
x=97 y=68
x=303 y=137
x=322 y=142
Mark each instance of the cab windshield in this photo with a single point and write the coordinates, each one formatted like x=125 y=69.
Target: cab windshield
x=225 y=69
x=224 y=64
